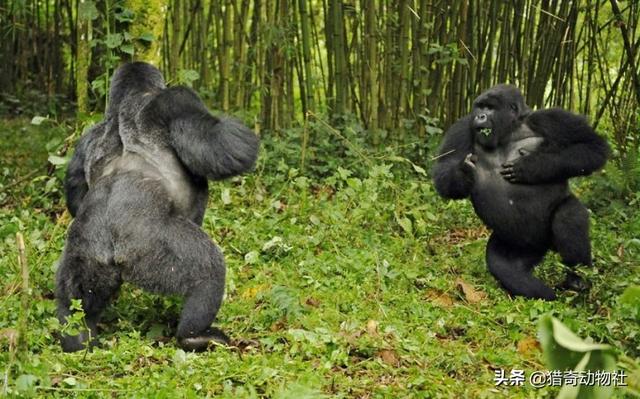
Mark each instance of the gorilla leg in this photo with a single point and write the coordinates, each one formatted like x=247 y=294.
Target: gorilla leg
x=570 y=226
x=179 y=258
x=95 y=284
x=512 y=267
x=200 y=308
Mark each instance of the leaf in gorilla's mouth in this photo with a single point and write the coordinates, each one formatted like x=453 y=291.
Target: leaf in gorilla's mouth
x=485 y=131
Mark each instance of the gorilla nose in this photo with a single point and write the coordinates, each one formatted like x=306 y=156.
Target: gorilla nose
x=481 y=118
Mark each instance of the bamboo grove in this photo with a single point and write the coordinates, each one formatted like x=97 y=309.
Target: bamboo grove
x=388 y=63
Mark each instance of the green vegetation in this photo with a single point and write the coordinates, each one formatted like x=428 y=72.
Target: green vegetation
x=347 y=277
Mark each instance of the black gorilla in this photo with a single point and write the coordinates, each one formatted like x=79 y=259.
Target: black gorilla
x=514 y=164
x=137 y=186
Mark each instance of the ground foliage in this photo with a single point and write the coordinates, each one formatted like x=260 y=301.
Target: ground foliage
x=347 y=276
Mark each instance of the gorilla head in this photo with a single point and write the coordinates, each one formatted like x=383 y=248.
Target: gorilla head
x=496 y=113
x=136 y=77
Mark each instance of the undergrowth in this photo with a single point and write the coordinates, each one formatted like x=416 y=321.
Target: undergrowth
x=347 y=277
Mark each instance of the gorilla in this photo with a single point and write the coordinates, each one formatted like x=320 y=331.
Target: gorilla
x=515 y=165
x=137 y=187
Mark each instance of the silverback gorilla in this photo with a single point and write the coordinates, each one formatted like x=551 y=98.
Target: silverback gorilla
x=137 y=186
x=515 y=165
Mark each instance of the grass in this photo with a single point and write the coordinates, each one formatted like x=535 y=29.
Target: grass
x=350 y=278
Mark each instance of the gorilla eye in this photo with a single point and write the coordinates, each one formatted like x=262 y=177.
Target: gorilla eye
x=514 y=107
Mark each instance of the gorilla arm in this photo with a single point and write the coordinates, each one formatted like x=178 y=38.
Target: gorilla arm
x=75 y=182
x=453 y=171
x=208 y=146
x=571 y=148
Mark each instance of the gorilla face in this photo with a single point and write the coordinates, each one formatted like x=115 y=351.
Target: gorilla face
x=496 y=113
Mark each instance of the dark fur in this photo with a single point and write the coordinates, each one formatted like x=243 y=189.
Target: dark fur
x=517 y=179
x=137 y=186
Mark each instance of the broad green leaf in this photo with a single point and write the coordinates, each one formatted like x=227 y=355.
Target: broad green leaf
x=563 y=350
x=147 y=37
x=275 y=241
x=71 y=381
x=87 y=11
x=567 y=339
x=51 y=183
x=419 y=169
x=406 y=224
x=226 y=196
x=113 y=40
x=127 y=48
x=251 y=257
x=180 y=357
x=37 y=120
x=56 y=160
x=188 y=76
x=26 y=382
x=125 y=15
x=630 y=303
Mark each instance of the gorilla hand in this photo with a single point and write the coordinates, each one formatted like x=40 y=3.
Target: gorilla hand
x=514 y=170
x=468 y=168
x=470 y=160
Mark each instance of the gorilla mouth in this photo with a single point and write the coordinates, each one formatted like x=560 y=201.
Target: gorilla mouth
x=485 y=131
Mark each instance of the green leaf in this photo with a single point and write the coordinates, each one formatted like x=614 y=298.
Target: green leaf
x=156 y=331
x=26 y=382
x=180 y=357
x=51 y=183
x=99 y=85
x=71 y=381
x=113 y=40
x=419 y=169
x=252 y=257
x=125 y=15
x=56 y=160
x=630 y=303
x=147 y=37
x=226 y=196
x=567 y=339
x=87 y=11
x=187 y=76
x=563 y=350
x=127 y=48
x=433 y=130
x=406 y=224
x=286 y=300
x=37 y=120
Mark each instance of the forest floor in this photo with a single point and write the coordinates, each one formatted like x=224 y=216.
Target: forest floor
x=350 y=278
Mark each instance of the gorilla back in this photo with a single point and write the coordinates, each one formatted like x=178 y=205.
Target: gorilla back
x=137 y=186
x=514 y=164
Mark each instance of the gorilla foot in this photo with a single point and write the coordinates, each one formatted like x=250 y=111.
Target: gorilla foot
x=546 y=294
x=209 y=339
x=573 y=282
x=539 y=292
x=77 y=343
